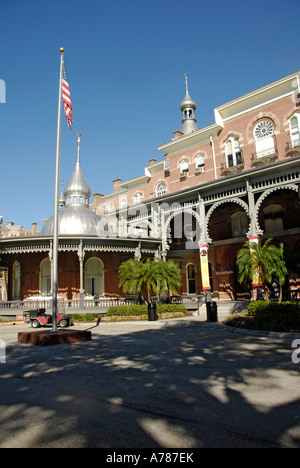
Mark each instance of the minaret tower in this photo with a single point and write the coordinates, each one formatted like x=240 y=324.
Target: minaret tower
x=188 y=107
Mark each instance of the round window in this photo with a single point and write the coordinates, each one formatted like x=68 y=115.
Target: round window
x=263 y=129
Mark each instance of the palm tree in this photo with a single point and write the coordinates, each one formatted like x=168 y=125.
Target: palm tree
x=264 y=260
x=155 y=276
x=279 y=270
x=168 y=276
x=131 y=276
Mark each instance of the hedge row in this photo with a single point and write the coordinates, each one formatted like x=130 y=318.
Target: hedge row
x=85 y=317
x=268 y=316
x=125 y=310
x=131 y=311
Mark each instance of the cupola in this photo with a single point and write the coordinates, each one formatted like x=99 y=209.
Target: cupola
x=188 y=107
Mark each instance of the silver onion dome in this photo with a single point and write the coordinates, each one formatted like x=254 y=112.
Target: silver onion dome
x=76 y=217
x=73 y=220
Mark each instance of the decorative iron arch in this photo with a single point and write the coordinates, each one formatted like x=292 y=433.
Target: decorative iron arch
x=268 y=192
x=138 y=223
x=178 y=212
x=235 y=200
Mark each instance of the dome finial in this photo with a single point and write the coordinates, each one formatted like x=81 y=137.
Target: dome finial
x=186 y=83
x=61 y=201
x=78 y=144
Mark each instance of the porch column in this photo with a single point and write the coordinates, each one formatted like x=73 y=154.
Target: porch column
x=81 y=255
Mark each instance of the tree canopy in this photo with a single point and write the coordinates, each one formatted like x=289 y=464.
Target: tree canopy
x=263 y=261
x=150 y=276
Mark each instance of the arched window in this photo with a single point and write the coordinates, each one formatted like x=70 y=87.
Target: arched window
x=191 y=279
x=123 y=203
x=161 y=189
x=200 y=163
x=45 y=277
x=264 y=138
x=138 y=197
x=16 y=281
x=184 y=166
x=94 y=277
x=233 y=151
x=239 y=224
x=273 y=218
x=295 y=130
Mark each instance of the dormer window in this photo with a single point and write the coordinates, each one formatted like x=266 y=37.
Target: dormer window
x=233 y=151
x=295 y=130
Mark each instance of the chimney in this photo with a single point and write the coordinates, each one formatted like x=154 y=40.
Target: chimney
x=152 y=161
x=98 y=199
x=33 y=230
x=117 y=185
x=177 y=134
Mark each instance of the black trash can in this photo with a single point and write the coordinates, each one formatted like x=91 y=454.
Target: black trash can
x=152 y=315
x=212 y=311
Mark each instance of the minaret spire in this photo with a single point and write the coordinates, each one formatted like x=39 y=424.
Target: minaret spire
x=61 y=201
x=77 y=191
x=78 y=145
x=186 y=83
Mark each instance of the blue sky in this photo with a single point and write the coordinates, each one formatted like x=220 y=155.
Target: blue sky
x=125 y=61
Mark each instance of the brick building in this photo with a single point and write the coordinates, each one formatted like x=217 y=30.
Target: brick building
x=11 y=230
x=214 y=188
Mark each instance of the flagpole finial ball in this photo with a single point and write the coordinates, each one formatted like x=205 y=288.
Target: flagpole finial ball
x=61 y=49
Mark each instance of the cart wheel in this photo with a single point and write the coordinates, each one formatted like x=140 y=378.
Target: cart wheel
x=63 y=323
x=35 y=324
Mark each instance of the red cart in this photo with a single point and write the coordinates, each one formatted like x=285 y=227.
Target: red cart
x=39 y=318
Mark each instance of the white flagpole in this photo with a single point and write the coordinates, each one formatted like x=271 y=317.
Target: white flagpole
x=56 y=199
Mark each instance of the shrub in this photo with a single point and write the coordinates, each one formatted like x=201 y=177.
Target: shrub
x=165 y=308
x=130 y=310
x=241 y=321
x=85 y=317
x=276 y=316
x=256 y=305
x=268 y=316
x=126 y=310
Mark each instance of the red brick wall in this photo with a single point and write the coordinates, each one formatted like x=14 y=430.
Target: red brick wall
x=279 y=112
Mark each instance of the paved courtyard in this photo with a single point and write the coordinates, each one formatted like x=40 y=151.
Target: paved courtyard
x=181 y=383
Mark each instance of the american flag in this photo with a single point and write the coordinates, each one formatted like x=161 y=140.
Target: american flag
x=66 y=97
